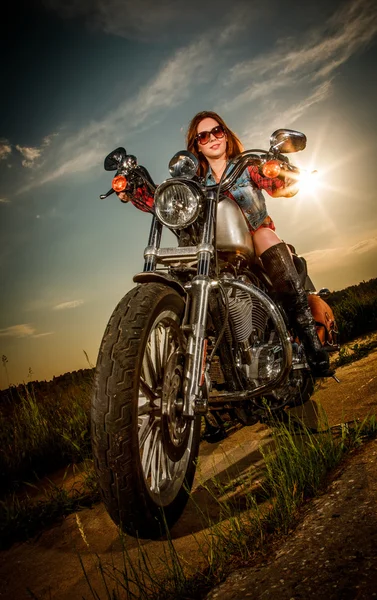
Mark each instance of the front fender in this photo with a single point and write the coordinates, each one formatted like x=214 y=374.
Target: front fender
x=153 y=277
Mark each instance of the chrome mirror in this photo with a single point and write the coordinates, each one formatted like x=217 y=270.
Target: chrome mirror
x=183 y=164
x=115 y=159
x=287 y=140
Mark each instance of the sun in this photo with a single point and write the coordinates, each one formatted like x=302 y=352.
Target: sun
x=309 y=182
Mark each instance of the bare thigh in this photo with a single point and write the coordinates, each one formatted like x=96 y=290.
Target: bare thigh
x=264 y=238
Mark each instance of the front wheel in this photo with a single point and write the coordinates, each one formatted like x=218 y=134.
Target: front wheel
x=144 y=449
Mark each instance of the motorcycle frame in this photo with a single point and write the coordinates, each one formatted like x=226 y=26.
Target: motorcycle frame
x=197 y=293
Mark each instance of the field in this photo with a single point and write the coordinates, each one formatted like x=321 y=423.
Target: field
x=44 y=426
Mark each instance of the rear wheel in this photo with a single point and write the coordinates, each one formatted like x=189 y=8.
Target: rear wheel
x=144 y=449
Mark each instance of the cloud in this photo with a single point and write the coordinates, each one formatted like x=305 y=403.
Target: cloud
x=294 y=65
x=364 y=246
x=341 y=254
x=17 y=331
x=71 y=304
x=189 y=66
x=255 y=132
x=5 y=149
x=255 y=91
x=40 y=335
x=33 y=154
x=4 y=201
x=322 y=50
x=30 y=155
x=48 y=139
x=22 y=331
x=339 y=267
x=292 y=113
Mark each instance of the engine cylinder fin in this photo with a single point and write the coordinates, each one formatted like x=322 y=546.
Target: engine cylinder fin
x=247 y=314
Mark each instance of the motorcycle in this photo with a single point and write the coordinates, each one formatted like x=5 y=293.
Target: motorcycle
x=200 y=335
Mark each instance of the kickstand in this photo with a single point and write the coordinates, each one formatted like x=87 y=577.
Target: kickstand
x=336 y=379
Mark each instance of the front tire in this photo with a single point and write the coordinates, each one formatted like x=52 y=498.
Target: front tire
x=144 y=450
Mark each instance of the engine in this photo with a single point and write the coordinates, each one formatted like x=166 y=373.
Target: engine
x=259 y=353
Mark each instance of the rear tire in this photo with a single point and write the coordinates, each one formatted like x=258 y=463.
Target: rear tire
x=144 y=450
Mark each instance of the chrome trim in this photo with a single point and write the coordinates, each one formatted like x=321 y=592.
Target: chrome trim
x=150 y=251
x=185 y=253
x=287 y=140
x=282 y=332
x=194 y=402
x=183 y=164
x=192 y=186
x=206 y=248
x=130 y=162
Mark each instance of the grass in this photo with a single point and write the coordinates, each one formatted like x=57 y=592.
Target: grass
x=350 y=353
x=22 y=517
x=296 y=469
x=39 y=435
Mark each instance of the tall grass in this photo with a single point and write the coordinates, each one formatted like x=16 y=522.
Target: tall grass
x=296 y=467
x=44 y=434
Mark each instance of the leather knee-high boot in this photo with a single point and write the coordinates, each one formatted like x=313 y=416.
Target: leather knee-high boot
x=279 y=266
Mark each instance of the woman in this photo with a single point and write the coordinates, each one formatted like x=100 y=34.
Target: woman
x=214 y=144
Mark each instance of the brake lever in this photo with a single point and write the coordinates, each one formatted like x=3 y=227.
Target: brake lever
x=103 y=196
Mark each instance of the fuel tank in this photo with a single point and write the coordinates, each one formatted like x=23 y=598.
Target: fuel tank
x=233 y=237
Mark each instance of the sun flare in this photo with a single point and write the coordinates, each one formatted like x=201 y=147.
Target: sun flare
x=309 y=182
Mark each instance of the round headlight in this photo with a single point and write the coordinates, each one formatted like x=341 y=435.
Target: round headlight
x=177 y=203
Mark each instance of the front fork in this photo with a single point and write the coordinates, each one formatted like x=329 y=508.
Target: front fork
x=199 y=289
x=194 y=402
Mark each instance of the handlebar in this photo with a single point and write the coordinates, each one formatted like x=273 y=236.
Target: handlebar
x=241 y=161
x=103 y=196
x=228 y=179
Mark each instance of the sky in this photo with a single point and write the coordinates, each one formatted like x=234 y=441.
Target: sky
x=82 y=77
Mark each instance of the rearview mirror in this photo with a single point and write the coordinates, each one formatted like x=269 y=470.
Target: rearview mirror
x=115 y=159
x=287 y=140
x=183 y=164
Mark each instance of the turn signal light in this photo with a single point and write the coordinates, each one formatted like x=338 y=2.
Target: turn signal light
x=119 y=183
x=271 y=168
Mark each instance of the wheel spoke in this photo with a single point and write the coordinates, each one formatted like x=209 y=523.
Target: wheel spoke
x=145 y=429
x=166 y=349
x=159 y=428
x=165 y=464
x=147 y=391
x=149 y=368
x=156 y=352
x=149 y=451
x=155 y=466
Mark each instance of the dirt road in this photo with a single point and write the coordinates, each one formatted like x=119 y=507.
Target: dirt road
x=49 y=565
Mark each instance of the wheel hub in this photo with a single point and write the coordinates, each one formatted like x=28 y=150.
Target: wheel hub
x=175 y=428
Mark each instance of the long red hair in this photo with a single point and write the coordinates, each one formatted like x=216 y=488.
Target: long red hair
x=233 y=148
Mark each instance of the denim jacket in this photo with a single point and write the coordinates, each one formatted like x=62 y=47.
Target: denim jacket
x=247 y=192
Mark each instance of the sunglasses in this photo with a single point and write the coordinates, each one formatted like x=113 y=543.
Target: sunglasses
x=204 y=136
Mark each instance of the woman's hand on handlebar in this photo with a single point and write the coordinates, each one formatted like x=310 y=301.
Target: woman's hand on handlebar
x=124 y=196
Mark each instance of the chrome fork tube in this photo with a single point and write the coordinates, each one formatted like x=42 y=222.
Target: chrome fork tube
x=199 y=288
x=153 y=245
x=194 y=403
